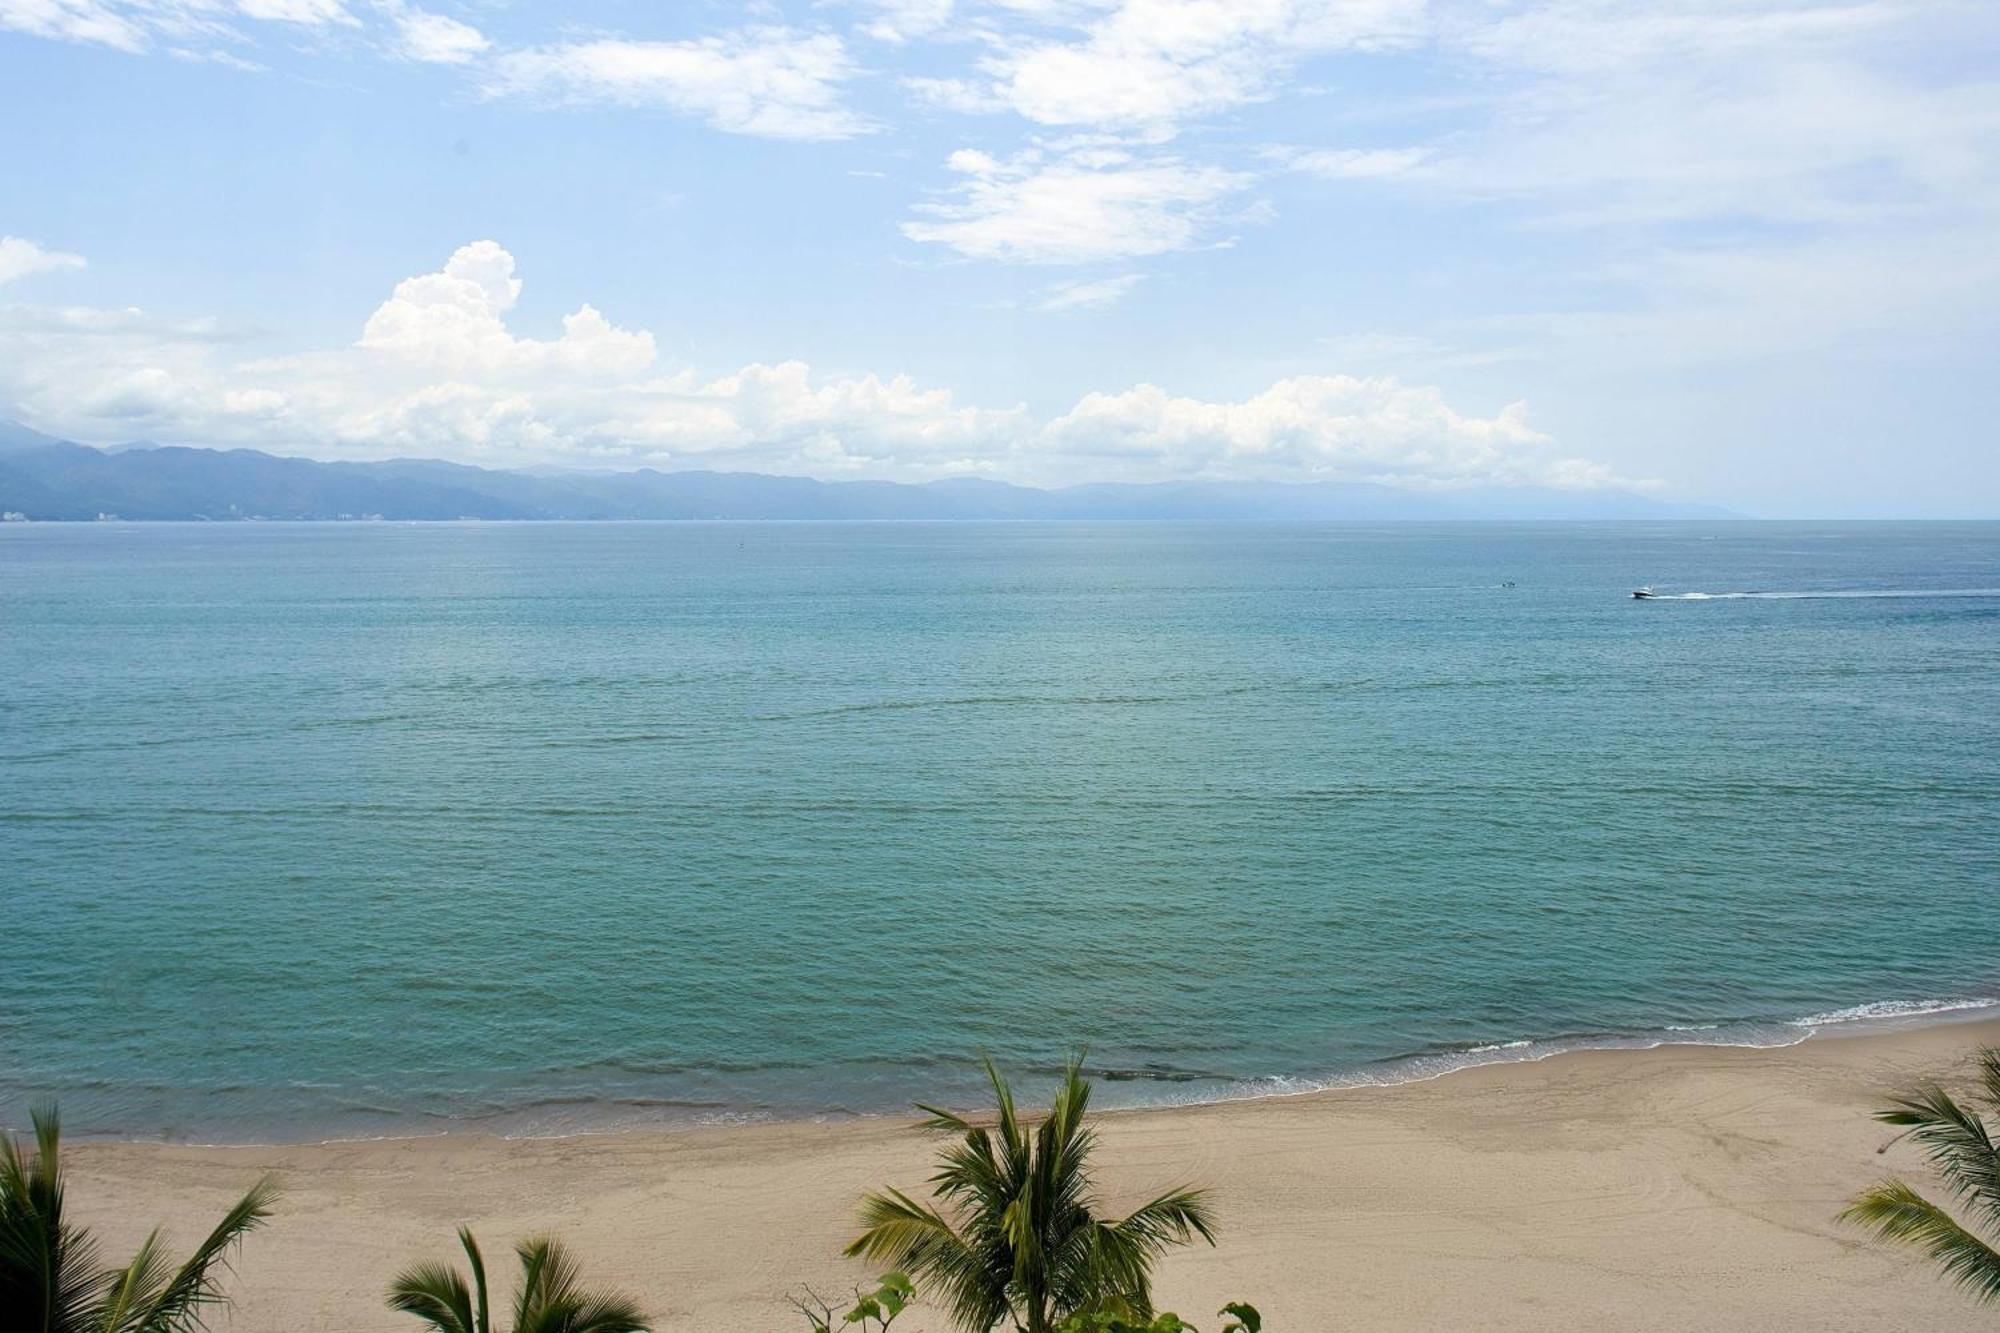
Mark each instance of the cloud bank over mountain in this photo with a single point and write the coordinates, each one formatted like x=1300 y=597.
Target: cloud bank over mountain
x=438 y=370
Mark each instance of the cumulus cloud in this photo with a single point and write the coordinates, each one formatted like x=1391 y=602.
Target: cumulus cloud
x=20 y=257
x=1083 y=206
x=452 y=322
x=437 y=371
x=1317 y=427
x=769 y=81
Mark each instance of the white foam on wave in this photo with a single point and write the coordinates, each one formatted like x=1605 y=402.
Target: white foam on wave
x=1435 y=1065
x=1892 y=1009
x=1763 y=1035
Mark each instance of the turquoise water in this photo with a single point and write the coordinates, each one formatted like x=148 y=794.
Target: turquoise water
x=355 y=829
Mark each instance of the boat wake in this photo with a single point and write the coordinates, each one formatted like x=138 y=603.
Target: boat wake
x=1843 y=594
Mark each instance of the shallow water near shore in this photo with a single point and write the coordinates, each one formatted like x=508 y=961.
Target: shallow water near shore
x=340 y=830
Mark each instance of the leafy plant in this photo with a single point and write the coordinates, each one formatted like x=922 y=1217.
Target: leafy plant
x=551 y=1298
x=49 y=1278
x=874 y=1310
x=1243 y=1318
x=1023 y=1239
x=1961 y=1148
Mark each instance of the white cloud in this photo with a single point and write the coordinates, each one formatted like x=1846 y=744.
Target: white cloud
x=1151 y=64
x=1355 y=163
x=1091 y=295
x=308 y=13
x=452 y=322
x=1319 y=427
x=20 y=257
x=438 y=372
x=435 y=39
x=1765 y=177
x=74 y=21
x=901 y=20
x=1600 y=112
x=773 y=82
x=136 y=25
x=1082 y=207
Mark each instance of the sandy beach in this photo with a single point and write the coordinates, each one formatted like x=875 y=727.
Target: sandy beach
x=1683 y=1187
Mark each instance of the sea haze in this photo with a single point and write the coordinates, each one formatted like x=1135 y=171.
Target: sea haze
x=319 y=830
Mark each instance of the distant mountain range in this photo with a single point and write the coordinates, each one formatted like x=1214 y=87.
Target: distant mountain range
x=43 y=478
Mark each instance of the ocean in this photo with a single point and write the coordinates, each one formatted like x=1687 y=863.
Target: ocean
x=336 y=830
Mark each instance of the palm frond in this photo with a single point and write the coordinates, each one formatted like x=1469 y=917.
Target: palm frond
x=548 y=1278
x=1989 y=1077
x=551 y=1298
x=1173 y=1218
x=1003 y=1096
x=48 y=1269
x=193 y=1288
x=970 y=1170
x=1118 y=1257
x=601 y=1314
x=896 y=1227
x=960 y=1275
x=1896 y=1212
x=482 y=1310
x=1018 y=1237
x=131 y=1293
x=1954 y=1138
x=437 y=1295
x=948 y=1122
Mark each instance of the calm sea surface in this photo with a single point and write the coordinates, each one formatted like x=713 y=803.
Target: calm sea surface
x=320 y=830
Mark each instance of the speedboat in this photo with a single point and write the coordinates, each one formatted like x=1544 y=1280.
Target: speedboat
x=1645 y=594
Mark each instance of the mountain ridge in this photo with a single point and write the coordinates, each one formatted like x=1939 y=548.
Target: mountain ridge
x=46 y=479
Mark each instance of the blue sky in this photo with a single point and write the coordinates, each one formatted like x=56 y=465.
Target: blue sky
x=1741 y=251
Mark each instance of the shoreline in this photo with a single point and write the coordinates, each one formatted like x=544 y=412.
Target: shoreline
x=1677 y=1186
x=1862 y=1020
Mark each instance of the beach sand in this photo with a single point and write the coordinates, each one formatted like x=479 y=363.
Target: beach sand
x=1678 y=1188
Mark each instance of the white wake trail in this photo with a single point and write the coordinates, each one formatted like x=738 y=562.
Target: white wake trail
x=1838 y=593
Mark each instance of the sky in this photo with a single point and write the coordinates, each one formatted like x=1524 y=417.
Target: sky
x=1743 y=252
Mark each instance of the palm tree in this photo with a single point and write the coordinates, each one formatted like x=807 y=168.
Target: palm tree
x=1024 y=1241
x=1960 y=1146
x=49 y=1278
x=551 y=1299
